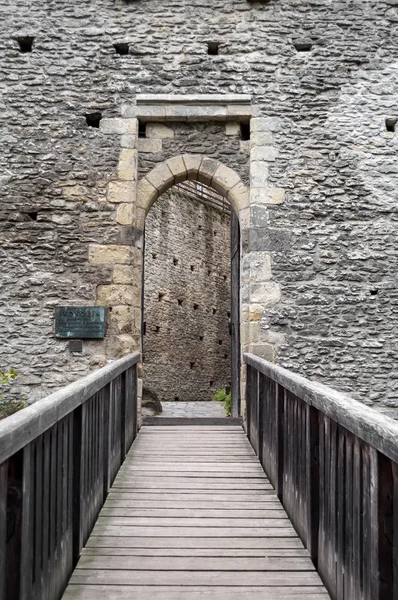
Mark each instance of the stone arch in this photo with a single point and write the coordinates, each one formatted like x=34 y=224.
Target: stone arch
x=197 y=168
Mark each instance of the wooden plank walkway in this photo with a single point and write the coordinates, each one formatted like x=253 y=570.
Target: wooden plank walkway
x=191 y=515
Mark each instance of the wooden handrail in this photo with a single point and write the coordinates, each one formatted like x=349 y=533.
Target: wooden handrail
x=58 y=460
x=24 y=426
x=334 y=465
x=376 y=429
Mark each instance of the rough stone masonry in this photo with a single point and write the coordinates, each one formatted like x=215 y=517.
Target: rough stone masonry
x=187 y=299
x=323 y=77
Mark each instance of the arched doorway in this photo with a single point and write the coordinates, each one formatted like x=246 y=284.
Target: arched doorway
x=228 y=185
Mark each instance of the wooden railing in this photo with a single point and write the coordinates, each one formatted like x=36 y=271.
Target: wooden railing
x=334 y=464
x=58 y=459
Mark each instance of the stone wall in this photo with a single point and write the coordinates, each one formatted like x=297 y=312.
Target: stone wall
x=324 y=74
x=187 y=346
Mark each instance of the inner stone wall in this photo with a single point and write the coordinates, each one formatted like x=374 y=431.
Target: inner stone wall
x=187 y=299
x=326 y=74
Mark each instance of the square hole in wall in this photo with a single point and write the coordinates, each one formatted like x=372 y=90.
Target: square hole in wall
x=245 y=131
x=25 y=43
x=141 y=129
x=93 y=119
x=121 y=48
x=213 y=48
x=76 y=346
x=303 y=46
x=390 y=124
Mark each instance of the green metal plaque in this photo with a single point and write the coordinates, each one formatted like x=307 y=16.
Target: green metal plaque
x=84 y=322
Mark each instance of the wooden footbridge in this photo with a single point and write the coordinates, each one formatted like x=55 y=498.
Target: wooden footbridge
x=301 y=502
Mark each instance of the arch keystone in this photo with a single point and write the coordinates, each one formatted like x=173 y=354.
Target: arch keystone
x=177 y=167
x=192 y=165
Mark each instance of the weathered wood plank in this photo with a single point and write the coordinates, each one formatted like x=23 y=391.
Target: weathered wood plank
x=272 y=512
x=180 y=506
x=197 y=552
x=192 y=564
x=106 y=592
x=203 y=429
x=172 y=468
x=106 y=521
x=200 y=484
x=222 y=532
x=204 y=578
x=187 y=543
x=217 y=497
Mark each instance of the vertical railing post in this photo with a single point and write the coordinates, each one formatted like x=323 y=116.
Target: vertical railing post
x=256 y=412
x=107 y=437
x=15 y=504
x=123 y=416
x=312 y=478
x=26 y=565
x=261 y=416
x=249 y=399
x=395 y=529
x=77 y=496
x=382 y=527
x=135 y=400
x=279 y=434
x=3 y=527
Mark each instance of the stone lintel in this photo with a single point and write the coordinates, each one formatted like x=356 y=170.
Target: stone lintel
x=191 y=107
x=223 y=99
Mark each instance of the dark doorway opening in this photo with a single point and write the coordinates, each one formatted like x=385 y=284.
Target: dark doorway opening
x=191 y=346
